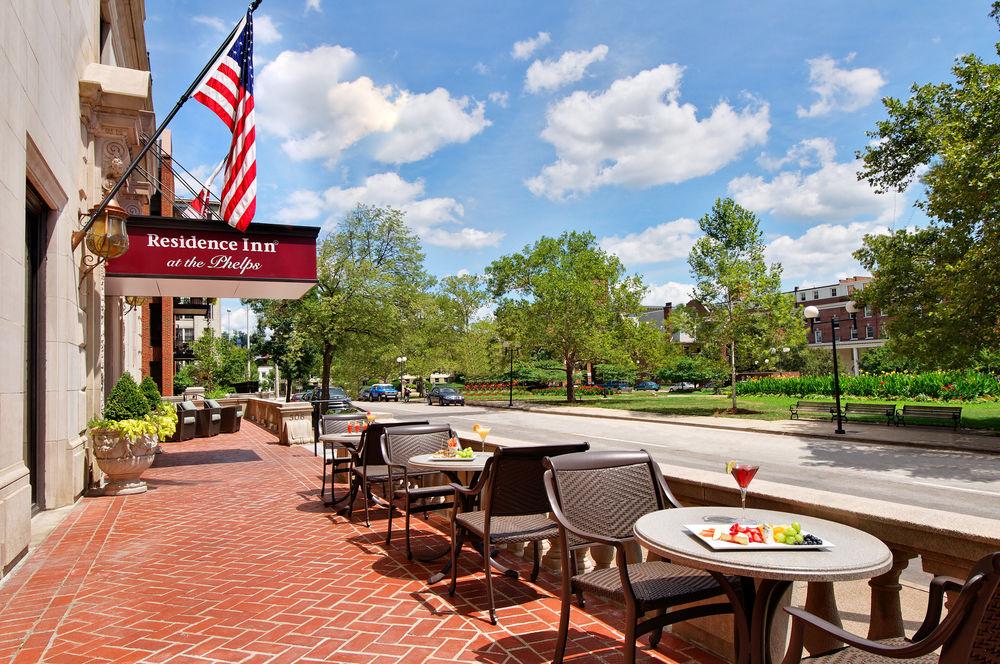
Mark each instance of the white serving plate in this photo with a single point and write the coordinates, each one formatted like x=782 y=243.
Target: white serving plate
x=719 y=545
x=452 y=459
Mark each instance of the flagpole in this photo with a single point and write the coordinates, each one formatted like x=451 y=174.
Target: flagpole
x=80 y=234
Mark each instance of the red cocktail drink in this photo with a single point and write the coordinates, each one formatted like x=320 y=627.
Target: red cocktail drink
x=744 y=474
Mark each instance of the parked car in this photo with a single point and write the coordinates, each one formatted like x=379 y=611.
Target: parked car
x=616 y=385
x=299 y=396
x=382 y=392
x=365 y=394
x=337 y=398
x=681 y=387
x=445 y=396
x=648 y=385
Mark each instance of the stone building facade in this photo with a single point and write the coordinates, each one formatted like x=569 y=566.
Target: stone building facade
x=77 y=100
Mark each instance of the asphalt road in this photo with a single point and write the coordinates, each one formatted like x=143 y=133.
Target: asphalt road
x=961 y=482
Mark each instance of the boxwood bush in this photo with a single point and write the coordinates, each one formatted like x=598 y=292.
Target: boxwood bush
x=151 y=392
x=126 y=401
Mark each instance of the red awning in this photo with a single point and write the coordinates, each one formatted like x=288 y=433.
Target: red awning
x=171 y=256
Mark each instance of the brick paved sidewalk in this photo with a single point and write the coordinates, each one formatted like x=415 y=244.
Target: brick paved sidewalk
x=230 y=557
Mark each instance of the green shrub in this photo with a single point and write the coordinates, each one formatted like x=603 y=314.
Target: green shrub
x=151 y=392
x=220 y=392
x=943 y=385
x=126 y=401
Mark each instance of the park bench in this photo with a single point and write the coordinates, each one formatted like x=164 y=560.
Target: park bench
x=886 y=410
x=824 y=407
x=952 y=414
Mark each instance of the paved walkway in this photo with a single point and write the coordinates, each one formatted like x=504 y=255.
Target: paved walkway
x=230 y=557
x=914 y=436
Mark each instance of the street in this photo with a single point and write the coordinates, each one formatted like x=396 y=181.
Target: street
x=962 y=482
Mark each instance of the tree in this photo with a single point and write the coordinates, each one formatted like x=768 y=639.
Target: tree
x=218 y=362
x=696 y=369
x=370 y=273
x=939 y=283
x=282 y=335
x=746 y=312
x=564 y=296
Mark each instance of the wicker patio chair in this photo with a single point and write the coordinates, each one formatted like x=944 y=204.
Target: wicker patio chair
x=232 y=416
x=187 y=416
x=970 y=633
x=209 y=421
x=370 y=467
x=514 y=507
x=399 y=444
x=597 y=498
x=330 y=425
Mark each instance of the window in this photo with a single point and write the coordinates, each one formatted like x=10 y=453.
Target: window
x=818 y=336
x=185 y=334
x=854 y=333
x=833 y=292
x=868 y=311
x=815 y=294
x=869 y=331
x=802 y=297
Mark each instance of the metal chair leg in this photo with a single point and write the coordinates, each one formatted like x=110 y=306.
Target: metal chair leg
x=630 y=642
x=489 y=582
x=536 y=556
x=406 y=504
x=563 y=634
x=657 y=634
x=457 y=535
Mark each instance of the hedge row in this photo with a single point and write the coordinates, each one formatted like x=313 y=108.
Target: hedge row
x=946 y=385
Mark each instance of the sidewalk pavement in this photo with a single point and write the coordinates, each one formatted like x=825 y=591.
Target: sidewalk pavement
x=231 y=556
x=911 y=436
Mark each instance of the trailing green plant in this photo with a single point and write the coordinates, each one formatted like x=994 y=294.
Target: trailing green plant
x=151 y=392
x=126 y=401
x=220 y=392
x=941 y=385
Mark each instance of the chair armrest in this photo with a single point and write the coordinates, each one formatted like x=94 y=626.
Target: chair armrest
x=935 y=601
x=465 y=491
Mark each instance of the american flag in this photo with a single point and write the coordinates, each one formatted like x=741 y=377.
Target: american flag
x=228 y=91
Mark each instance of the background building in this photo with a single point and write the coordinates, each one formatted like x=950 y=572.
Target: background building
x=853 y=338
x=77 y=101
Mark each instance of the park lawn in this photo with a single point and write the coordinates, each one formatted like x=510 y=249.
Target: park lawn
x=975 y=415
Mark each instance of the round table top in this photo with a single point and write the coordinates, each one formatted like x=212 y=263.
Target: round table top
x=475 y=464
x=854 y=555
x=343 y=437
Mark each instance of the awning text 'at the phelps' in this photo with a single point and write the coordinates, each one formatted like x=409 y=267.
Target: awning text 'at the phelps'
x=180 y=257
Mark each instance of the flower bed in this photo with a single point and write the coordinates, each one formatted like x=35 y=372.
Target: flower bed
x=944 y=385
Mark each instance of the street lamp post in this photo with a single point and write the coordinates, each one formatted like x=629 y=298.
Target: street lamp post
x=508 y=346
x=812 y=315
x=229 y=320
x=401 y=361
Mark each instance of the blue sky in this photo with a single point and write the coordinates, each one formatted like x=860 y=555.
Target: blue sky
x=492 y=124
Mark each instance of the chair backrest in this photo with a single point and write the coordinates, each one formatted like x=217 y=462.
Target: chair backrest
x=401 y=443
x=605 y=493
x=338 y=423
x=187 y=406
x=977 y=639
x=371 y=441
x=212 y=403
x=514 y=483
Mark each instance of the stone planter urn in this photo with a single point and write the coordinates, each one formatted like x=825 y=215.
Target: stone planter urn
x=123 y=460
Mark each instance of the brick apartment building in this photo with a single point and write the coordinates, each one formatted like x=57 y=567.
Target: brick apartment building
x=867 y=331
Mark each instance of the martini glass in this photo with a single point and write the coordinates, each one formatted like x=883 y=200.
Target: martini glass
x=370 y=416
x=743 y=473
x=483 y=433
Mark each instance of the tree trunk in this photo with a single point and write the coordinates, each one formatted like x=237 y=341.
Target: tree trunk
x=327 y=361
x=289 y=377
x=732 y=374
x=570 y=391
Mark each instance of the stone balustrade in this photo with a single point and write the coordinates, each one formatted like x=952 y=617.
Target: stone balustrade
x=291 y=422
x=945 y=542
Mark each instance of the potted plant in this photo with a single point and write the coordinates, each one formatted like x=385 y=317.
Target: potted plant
x=126 y=437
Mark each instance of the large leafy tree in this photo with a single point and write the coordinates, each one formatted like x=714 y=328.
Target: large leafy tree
x=565 y=297
x=370 y=275
x=285 y=340
x=939 y=284
x=745 y=311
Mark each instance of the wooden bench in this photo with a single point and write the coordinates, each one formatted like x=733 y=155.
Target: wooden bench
x=886 y=410
x=824 y=407
x=948 y=413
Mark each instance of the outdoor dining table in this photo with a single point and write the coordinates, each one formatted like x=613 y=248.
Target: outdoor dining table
x=351 y=441
x=451 y=468
x=854 y=554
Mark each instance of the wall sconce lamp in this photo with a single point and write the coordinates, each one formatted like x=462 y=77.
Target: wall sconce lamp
x=106 y=235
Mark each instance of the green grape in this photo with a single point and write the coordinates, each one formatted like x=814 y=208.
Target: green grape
x=800 y=538
x=780 y=538
x=796 y=527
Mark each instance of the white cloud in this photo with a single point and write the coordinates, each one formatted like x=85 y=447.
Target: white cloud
x=637 y=133
x=481 y=68
x=308 y=99
x=672 y=291
x=501 y=99
x=823 y=253
x=313 y=5
x=833 y=192
x=437 y=220
x=522 y=50
x=265 y=30
x=213 y=22
x=656 y=244
x=234 y=319
x=840 y=89
x=569 y=68
x=805 y=154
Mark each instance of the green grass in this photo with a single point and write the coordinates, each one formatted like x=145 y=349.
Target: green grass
x=975 y=415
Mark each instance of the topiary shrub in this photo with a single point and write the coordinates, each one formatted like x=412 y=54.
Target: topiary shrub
x=151 y=392
x=126 y=401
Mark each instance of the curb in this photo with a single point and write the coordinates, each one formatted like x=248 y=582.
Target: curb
x=854 y=439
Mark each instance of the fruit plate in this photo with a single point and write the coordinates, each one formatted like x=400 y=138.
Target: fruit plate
x=719 y=545
x=453 y=459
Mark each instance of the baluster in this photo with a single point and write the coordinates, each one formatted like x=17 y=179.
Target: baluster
x=887 y=614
